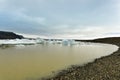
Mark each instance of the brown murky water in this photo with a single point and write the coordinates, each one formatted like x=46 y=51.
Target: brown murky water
x=36 y=61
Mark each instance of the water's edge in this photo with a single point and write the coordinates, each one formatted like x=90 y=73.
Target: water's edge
x=66 y=73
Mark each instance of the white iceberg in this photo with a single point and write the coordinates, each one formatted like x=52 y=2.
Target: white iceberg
x=68 y=42
x=18 y=41
x=40 y=41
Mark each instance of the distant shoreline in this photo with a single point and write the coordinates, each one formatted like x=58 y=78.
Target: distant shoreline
x=105 y=68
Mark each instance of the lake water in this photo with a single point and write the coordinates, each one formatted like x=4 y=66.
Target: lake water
x=35 y=61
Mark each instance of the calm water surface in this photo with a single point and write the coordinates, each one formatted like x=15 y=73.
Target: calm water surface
x=36 y=61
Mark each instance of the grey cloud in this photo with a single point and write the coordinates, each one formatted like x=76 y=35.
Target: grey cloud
x=54 y=17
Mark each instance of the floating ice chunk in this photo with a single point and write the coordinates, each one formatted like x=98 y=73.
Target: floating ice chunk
x=71 y=42
x=68 y=42
x=65 y=42
x=58 y=41
x=51 y=41
x=18 y=41
x=40 y=41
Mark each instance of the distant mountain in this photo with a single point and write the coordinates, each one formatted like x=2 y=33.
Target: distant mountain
x=9 y=35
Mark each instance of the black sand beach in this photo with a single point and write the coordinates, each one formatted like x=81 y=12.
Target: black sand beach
x=105 y=68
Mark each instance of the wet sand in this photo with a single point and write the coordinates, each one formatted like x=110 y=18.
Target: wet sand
x=105 y=68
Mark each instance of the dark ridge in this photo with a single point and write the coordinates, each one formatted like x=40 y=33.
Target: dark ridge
x=110 y=40
x=9 y=35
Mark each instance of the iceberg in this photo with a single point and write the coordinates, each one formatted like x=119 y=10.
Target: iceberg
x=18 y=41
x=40 y=41
x=53 y=41
x=68 y=42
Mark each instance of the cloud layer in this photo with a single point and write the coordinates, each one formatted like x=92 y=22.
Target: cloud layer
x=61 y=18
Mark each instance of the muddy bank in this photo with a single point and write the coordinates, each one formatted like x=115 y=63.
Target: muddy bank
x=105 y=68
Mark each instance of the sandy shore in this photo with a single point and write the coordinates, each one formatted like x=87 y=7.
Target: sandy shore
x=105 y=68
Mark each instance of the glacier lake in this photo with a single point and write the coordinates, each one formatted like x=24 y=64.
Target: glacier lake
x=33 y=62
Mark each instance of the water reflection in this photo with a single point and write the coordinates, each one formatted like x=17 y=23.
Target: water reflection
x=36 y=61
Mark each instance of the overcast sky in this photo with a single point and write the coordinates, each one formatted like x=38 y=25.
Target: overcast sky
x=61 y=18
